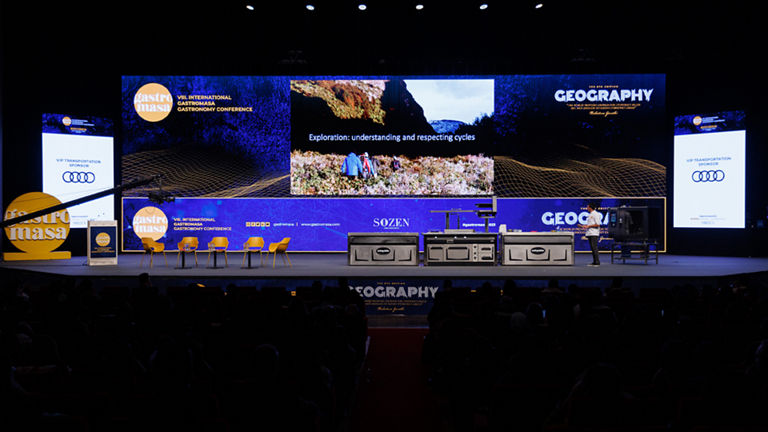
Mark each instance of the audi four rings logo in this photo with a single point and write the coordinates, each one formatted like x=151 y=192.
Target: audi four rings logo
x=78 y=177
x=708 y=176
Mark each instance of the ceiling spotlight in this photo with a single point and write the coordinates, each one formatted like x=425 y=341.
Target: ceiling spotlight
x=539 y=5
x=484 y=6
x=362 y=6
x=249 y=7
x=310 y=7
x=419 y=6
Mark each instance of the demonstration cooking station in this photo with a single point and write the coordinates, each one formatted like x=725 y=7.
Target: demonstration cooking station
x=462 y=246
x=381 y=249
x=537 y=248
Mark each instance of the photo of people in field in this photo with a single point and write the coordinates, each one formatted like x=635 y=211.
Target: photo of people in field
x=392 y=137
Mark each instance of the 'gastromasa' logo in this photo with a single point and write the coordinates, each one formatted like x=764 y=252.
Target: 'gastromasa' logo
x=39 y=235
x=103 y=239
x=150 y=222
x=153 y=102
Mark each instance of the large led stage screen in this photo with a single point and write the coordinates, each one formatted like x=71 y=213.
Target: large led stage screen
x=316 y=157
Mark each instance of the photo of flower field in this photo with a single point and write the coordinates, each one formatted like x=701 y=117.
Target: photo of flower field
x=314 y=173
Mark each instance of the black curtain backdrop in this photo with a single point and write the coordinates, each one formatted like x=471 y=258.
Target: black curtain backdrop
x=69 y=58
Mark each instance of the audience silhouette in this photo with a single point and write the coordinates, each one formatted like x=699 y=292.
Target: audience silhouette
x=508 y=357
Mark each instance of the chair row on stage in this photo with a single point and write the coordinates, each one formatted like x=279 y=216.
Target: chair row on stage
x=216 y=245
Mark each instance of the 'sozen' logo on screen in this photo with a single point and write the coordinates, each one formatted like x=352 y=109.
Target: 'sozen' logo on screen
x=153 y=102
x=150 y=222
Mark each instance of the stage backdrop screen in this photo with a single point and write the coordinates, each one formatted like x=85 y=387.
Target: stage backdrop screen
x=709 y=170
x=316 y=157
x=78 y=160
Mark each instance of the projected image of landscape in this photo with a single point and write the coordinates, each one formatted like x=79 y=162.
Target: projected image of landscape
x=392 y=137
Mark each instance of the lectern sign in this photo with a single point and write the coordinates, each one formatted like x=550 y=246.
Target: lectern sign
x=38 y=237
x=102 y=242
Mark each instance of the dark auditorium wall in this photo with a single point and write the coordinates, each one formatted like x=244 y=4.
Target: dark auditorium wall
x=2 y=92
x=69 y=59
x=37 y=80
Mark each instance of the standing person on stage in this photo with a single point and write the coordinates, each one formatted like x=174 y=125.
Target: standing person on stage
x=352 y=167
x=593 y=233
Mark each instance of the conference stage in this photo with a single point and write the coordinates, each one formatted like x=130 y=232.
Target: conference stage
x=335 y=265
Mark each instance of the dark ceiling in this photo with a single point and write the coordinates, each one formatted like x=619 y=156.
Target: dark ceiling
x=70 y=55
x=509 y=36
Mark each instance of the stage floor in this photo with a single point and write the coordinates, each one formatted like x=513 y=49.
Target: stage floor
x=334 y=265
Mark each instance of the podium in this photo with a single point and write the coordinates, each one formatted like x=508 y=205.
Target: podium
x=102 y=243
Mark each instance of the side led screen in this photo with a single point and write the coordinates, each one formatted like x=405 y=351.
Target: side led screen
x=78 y=160
x=709 y=170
